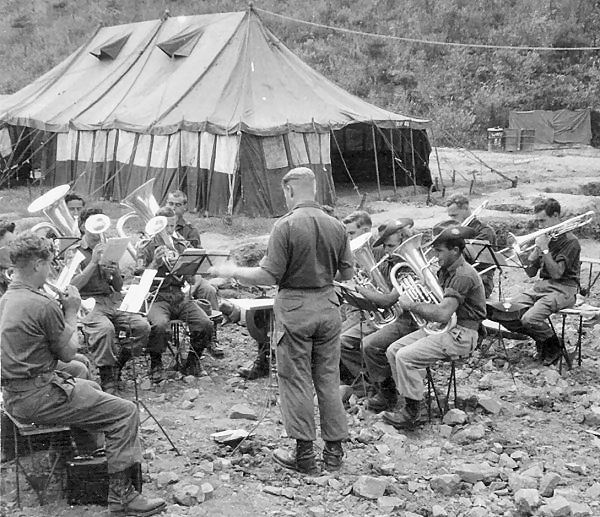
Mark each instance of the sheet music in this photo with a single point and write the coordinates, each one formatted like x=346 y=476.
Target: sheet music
x=136 y=295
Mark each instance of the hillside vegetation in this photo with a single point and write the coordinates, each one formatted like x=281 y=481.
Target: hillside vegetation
x=463 y=90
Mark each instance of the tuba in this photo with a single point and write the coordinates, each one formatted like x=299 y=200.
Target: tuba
x=53 y=205
x=368 y=274
x=418 y=282
x=143 y=205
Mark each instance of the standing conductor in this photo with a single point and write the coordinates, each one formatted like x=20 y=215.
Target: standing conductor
x=306 y=249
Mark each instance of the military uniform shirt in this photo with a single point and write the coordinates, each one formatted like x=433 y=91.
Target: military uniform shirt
x=462 y=282
x=188 y=232
x=31 y=325
x=565 y=248
x=306 y=249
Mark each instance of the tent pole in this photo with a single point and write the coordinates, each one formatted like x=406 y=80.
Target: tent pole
x=393 y=161
x=344 y=162
x=376 y=160
x=414 y=168
x=437 y=159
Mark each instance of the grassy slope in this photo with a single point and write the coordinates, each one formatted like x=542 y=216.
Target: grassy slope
x=464 y=91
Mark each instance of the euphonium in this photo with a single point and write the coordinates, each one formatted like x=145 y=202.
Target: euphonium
x=368 y=273
x=420 y=283
x=143 y=205
x=53 y=205
x=525 y=243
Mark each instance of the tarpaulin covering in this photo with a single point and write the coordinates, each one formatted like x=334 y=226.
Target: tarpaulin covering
x=196 y=101
x=554 y=127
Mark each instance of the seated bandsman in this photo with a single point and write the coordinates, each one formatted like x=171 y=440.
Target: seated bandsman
x=376 y=341
x=458 y=210
x=558 y=263
x=357 y=223
x=172 y=303
x=464 y=296
x=35 y=392
x=103 y=282
x=201 y=289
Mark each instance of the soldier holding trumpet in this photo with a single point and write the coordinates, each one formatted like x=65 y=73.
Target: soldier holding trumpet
x=171 y=302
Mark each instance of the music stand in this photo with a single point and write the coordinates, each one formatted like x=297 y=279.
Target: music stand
x=188 y=262
x=358 y=301
x=139 y=300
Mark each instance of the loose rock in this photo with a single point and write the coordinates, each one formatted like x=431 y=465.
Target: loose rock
x=473 y=472
x=369 y=487
x=470 y=433
x=455 y=417
x=548 y=483
x=527 y=500
x=490 y=405
x=241 y=411
x=188 y=495
x=558 y=506
x=166 y=478
x=388 y=503
x=447 y=484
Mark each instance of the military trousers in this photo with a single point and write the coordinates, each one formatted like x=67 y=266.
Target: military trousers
x=307 y=332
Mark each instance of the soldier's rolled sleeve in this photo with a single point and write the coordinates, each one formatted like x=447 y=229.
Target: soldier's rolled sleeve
x=568 y=254
x=276 y=259
x=346 y=258
x=458 y=288
x=53 y=323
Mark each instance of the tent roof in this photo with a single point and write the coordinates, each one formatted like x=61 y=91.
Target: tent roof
x=221 y=73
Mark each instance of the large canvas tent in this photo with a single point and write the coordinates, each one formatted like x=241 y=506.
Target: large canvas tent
x=213 y=104
x=554 y=128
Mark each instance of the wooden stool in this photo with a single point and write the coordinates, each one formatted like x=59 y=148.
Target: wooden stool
x=579 y=312
x=450 y=387
x=27 y=431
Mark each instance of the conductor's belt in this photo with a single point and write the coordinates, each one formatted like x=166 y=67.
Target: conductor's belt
x=469 y=324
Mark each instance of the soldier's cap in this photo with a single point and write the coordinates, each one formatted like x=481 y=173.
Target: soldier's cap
x=453 y=233
x=391 y=227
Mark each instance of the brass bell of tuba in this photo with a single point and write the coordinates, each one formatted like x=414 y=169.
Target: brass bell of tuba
x=368 y=274
x=414 y=278
x=54 y=207
x=143 y=205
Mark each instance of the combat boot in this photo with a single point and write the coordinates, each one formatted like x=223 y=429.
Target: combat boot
x=333 y=455
x=192 y=365
x=108 y=379
x=551 y=350
x=260 y=367
x=123 y=499
x=407 y=416
x=302 y=460
x=156 y=367
x=384 y=398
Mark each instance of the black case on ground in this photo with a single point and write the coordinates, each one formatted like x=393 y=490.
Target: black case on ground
x=87 y=480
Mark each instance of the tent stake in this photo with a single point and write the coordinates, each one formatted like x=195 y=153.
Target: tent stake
x=376 y=161
x=393 y=161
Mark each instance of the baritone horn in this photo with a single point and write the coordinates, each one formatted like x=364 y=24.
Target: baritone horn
x=368 y=274
x=418 y=282
x=143 y=205
x=54 y=207
x=525 y=243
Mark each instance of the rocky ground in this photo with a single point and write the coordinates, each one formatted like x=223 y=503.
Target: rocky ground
x=524 y=439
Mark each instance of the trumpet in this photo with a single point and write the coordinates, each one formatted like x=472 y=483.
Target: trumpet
x=52 y=204
x=420 y=283
x=157 y=227
x=525 y=243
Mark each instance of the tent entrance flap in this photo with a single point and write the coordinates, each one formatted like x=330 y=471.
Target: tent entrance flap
x=407 y=165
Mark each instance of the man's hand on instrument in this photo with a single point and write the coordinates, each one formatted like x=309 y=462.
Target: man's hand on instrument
x=97 y=253
x=159 y=257
x=542 y=242
x=226 y=270
x=70 y=299
x=405 y=302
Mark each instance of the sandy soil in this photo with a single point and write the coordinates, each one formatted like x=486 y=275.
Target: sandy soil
x=545 y=422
